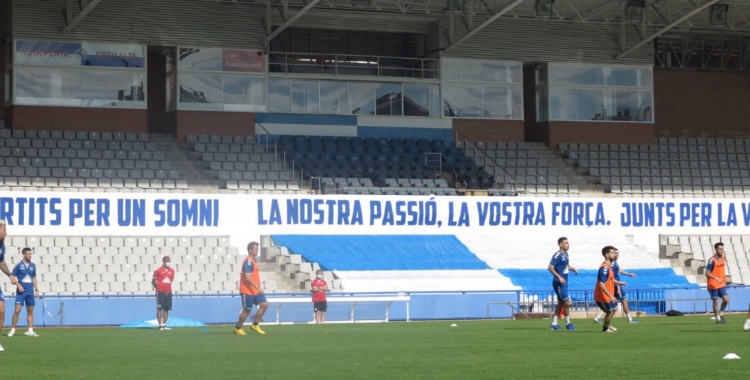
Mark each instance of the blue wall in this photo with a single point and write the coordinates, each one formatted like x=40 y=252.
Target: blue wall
x=224 y=309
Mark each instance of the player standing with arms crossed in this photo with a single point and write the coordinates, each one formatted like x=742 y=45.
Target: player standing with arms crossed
x=604 y=292
x=162 y=282
x=25 y=274
x=559 y=267
x=251 y=292
x=319 y=289
x=717 y=285
x=619 y=293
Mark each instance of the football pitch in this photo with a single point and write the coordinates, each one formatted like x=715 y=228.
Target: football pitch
x=669 y=348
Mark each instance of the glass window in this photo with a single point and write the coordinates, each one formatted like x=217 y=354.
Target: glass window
x=462 y=101
x=279 y=95
x=48 y=86
x=200 y=92
x=388 y=98
x=243 y=93
x=362 y=98
x=461 y=70
x=417 y=101
x=333 y=98
x=201 y=59
x=600 y=75
x=305 y=96
x=577 y=104
x=435 y=101
x=112 y=88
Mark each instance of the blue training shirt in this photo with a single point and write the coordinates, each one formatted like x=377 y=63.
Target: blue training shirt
x=560 y=263
x=616 y=270
x=603 y=274
x=25 y=273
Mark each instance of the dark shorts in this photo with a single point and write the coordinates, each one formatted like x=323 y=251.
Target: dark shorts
x=320 y=306
x=164 y=301
x=249 y=300
x=25 y=299
x=562 y=291
x=607 y=307
x=717 y=293
x=619 y=294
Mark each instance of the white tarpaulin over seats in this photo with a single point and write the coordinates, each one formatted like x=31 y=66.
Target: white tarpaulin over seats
x=535 y=251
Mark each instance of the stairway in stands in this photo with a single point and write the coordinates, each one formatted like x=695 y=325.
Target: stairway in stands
x=193 y=169
x=568 y=169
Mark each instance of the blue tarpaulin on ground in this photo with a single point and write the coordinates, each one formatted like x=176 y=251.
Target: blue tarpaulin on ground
x=171 y=322
x=383 y=252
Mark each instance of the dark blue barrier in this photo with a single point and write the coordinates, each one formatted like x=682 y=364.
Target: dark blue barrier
x=115 y=310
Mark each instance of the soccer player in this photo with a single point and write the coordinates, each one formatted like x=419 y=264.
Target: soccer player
x=251 y=292
x=4 y=268
x=162 y=282
x=26 y=291
x=619 y=293
x=559 y=267
x=604 y=292
x=319 y=289
x=716 y=277
x=747 y=322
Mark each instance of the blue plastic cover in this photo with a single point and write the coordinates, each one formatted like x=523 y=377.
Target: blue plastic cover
x=171 y=322
x=541 y=279
x=383 y=252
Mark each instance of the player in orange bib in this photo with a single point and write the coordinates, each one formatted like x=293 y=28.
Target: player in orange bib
x=251 y=292
x=604 y=292
x=717 y=285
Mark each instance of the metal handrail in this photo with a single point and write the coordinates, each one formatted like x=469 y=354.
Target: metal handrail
x=450 y=166
x=514 y=182
x=277 y=148
x=336 y=64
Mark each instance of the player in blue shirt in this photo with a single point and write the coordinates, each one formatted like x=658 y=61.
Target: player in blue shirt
x=559 y=267
x=27 y=290
x=4 y=268
x=619 y=293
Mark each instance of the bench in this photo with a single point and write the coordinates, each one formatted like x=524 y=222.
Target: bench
x=354 y=300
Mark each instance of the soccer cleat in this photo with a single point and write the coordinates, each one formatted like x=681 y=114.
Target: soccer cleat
x=723 y=320
x=257 y=329
x=166 y=328
x=570 y=327
x=239 y=332
x=596 y=320
x=11 y=332
x=633 y=321
x=607 y=330
x=32 y=334
x=554 y=327
x=1 y=348
x=612 y=329
x=746 y=327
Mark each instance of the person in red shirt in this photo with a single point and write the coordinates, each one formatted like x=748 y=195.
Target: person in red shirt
x=162 y=282
x=604 y=292
x=319 y=289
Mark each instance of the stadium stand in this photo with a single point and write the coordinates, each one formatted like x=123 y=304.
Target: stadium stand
x=247 y=166
x=470 y=262
x=124 y=265
x=690 y=253
x=673 y=167
x=384 y=166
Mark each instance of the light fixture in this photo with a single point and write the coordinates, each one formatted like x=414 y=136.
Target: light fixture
x=634 y=10
x=359 y=4
x=455 y=6
x=544 y=8
x=718 y=15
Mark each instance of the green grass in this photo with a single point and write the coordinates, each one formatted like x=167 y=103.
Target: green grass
x=669 y=348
